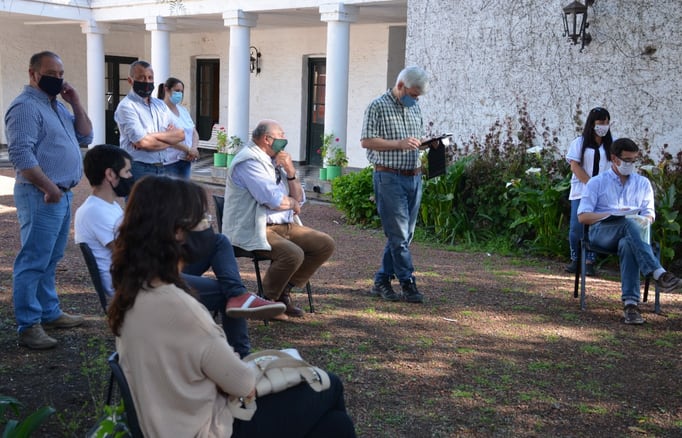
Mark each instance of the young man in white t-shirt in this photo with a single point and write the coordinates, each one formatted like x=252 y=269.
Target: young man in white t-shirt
x=108 y=171
x=107 y=168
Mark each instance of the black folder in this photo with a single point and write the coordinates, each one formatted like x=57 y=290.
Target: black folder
x=436 y=155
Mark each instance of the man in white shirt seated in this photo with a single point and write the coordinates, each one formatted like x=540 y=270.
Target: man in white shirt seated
x=606 y=198
x=107 y=168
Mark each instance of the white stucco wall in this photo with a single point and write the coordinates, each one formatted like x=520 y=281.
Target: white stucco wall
x=485 y=55
x=66 y=40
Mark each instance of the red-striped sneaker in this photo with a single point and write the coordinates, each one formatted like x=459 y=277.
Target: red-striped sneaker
x=248 y=305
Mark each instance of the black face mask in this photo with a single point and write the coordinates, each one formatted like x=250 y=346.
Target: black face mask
x=143 y=89
x=125 y=185
x=51 y=85
x=199 y=245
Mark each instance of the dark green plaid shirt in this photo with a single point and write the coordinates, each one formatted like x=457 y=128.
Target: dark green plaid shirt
x=387 y=118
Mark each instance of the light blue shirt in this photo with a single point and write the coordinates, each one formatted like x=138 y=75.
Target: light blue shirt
x=262 y=183
x=605 y=193
x=40 y=135
x=136 y=119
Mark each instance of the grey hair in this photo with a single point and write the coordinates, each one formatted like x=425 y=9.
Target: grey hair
x=414 y=77
x=262 y=129
x=144 y=64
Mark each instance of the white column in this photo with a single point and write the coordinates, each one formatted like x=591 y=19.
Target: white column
x=160 y=28
x=95 y=77
x=338 y=17
x=240 y=24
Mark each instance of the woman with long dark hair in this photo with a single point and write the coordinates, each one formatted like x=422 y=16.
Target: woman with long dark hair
x=177 y=361
x=588 y=155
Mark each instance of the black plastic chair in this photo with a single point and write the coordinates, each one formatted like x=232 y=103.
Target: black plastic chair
x=93 y=269
x=239 y=252
x=580 y=276
x=128 y=404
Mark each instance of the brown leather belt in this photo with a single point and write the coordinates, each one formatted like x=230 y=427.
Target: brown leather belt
x=401 y=172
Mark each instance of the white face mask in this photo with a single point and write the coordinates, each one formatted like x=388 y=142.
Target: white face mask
x=625 y=168
x=601 y=130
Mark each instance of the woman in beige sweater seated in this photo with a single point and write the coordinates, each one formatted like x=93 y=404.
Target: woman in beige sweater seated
x=177 y=361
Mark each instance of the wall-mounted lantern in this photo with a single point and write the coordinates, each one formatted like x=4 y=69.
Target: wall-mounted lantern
x=575 y=23
x=254 y=59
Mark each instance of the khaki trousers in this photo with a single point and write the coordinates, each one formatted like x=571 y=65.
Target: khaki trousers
x=297 y=252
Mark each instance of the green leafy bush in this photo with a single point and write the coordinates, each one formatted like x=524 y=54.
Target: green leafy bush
x=666 y=179
x=353 y=194
x=439 y=212
x=514 y=186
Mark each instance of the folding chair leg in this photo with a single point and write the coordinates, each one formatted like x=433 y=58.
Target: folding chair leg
x=259 y=282
x=581 y=268
x=657 y=301
x=308 y=289
x=110 y=390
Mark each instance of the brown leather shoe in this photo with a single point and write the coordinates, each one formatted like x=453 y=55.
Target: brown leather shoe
x=65 y=320
x=292 y=310
x=35 y=337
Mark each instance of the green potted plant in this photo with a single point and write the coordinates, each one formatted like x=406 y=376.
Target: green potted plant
x=220 y=155
x=326 y=142
x=233 y=146
x=336 y=161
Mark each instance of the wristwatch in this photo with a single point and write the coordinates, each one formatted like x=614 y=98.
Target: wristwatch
x=292 y=178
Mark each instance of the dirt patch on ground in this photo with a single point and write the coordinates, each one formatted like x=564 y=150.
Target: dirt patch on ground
x=499 y=349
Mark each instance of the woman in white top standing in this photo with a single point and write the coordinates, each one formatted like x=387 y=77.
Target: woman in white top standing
x=588 y=155
x=172 y=93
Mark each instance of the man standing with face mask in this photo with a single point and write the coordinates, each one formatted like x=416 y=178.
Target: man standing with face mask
x=44 y=147
x=606 y=199
x=392 y=132
x=146 y=126
x=263 y=197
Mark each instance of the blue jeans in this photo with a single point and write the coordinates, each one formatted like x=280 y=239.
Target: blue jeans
x=211 y=296
x=44 y=231
x=398 y=199
x=180 y=169
x=575 y=233
x=619 y=235
x=214 y=293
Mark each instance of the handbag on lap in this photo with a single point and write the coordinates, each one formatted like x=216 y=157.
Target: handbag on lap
x=276 y=371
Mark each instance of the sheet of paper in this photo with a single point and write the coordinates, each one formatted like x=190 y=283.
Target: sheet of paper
x=625 y=211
